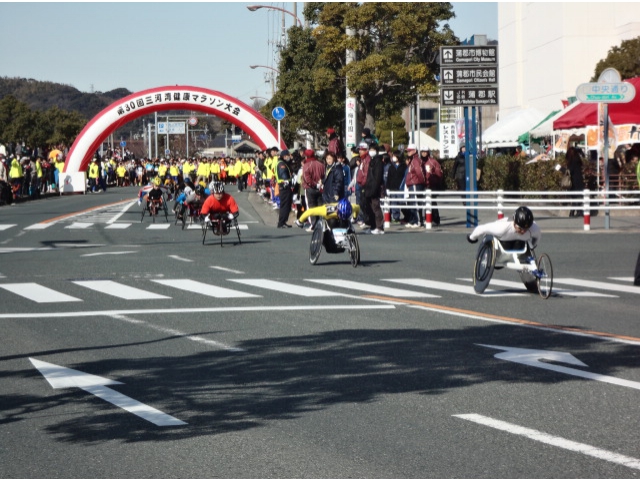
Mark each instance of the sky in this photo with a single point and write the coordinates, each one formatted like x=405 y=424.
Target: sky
x=104 y=46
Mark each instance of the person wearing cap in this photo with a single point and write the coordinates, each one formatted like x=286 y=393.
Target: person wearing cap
x=284 y=180
x=94 y=174
x=368 y=138
x=312 y=176
x=335 y=144
x=416 y=181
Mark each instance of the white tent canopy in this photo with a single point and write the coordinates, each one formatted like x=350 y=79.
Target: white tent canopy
x=545 y=129
x=423 y=140
x=505 y=133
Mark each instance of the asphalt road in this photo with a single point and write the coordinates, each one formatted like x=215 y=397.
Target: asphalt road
x=191 y=360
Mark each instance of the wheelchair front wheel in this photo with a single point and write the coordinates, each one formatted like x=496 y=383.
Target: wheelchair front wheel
x=316 y=242
x=545 y=276
x=483 y=268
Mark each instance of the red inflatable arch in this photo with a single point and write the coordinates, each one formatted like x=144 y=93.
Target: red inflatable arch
x=167 y=98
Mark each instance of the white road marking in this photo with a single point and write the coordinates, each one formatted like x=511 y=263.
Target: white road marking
x=38 y=226
x=226 y=269
x=176 y=257
x=562 y=291
x=119 y=290
x=23 y=249
x=205 y=289
x=187 y=311
x=371 y=288
x=122 y=212
x=118 y=226
x=99 y=254
x=177 y=333
x=7 y=226
x=451 y=287
x=159 y=226
x=598 y=285
x=560 y=442
x=194 y=226
x=79 y=226
x=38 y=293
x=621 y=279
x=283 y=287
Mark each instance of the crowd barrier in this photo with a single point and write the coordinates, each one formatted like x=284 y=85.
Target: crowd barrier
x=499 y=201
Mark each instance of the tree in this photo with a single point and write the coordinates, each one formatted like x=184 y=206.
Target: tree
x=396 y=46
x=625 y=59
x=392 y=130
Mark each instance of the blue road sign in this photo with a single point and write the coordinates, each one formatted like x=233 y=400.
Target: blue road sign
x=278 y=113
x=123 y=144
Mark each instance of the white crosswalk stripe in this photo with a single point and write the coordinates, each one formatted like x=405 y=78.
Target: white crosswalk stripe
x=283 y=287
x=371 y=288
x=38 y=293
x=7 y=226
x=560 y=291
x=450 y=287
x=117 y=226
x=159 y=226
x=38 y=226
x=621 y=279
x=614 y=287
x=200 y=288
x=79 y=226
x=119 y=290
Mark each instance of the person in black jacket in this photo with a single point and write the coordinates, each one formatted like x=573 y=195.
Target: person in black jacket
x=395 y=175
x=373 y=187
x=333 y=189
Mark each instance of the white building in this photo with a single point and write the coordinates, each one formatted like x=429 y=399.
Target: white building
x=547 y=49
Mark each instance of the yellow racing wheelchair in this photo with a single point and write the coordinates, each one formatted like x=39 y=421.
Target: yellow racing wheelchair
x=333 y=230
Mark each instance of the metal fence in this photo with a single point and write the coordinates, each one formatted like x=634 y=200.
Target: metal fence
x=587 y=201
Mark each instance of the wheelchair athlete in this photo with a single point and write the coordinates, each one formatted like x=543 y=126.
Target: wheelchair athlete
x=219 y=208
x=191 y=201
x=154 y=197
x=514 y=233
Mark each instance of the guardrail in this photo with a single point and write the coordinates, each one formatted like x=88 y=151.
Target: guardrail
x=499 y=200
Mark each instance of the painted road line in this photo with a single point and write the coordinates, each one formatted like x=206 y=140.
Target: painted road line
x=177 y=333
x=23 y=249
x=226 y=269
x=176 y=257
x=283 y=287
x=118 y=226
x=553 y=440
x=243 y=227
x=371 y=288
x=159 y=226
x=561 y=291
x=450 y=287
x=38 y=226
x=598 y=285
x=621 y=279
x=200 y=288
x=38 y=293
x=488 y=317
x=66 y=216
x=194 y=226
x=7 y=226
x=99 y=254
x=119 y=290
x=122 y=212
x=79 y=225
x=185 y=312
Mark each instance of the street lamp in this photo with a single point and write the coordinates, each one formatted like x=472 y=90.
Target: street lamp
x=253 y=8
x=259 y=98
x=264 y=66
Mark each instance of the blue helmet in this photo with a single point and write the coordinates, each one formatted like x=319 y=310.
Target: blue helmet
x=344 y=209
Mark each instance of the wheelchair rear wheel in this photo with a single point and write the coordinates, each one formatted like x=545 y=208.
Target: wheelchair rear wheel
x=483 y=268
x=316 y=242
x=545 y=278
x=354 y=249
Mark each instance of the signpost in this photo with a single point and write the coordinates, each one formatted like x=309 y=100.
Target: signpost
x=609 y=89
x=278 y=114
x=469 y=78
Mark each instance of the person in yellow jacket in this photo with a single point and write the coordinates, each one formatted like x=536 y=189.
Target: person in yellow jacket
x=94 y=174
x=204 y=171
x=215 y=170
x=15 y=177
x=162 y=171
x=187 y=168
x=270 y=166
x=174 y=172
x=59 y=164
x=121 y=173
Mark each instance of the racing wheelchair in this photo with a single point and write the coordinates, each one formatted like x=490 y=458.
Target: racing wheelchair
x=220 y=224
x=536 y=271
x=154 y=207
x=334 y=231
x=184 y=212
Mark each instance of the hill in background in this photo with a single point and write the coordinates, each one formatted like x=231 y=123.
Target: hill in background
x=44 y=95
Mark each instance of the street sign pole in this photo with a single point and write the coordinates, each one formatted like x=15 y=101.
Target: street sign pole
x=605 y=156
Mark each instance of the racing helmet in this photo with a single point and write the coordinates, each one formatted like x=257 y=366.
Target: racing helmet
x=344 y=209
x=216 y=187
x=200 y=191
x=156 y=181
x=523 y=218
